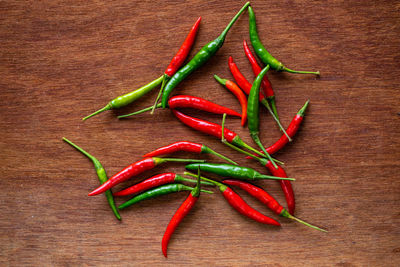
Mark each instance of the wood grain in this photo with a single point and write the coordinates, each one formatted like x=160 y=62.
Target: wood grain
x=61 y=60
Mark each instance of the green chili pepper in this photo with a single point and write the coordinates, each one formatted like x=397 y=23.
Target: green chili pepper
x=159 y=191
x=199 y=59
x=232 y=171
x=128 y=98
x=262 y=53
x=253 y=107
x=101 y=173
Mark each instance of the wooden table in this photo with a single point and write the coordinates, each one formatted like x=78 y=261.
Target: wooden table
x=61 y=60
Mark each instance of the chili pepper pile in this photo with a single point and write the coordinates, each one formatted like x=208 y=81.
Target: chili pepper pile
x=234 y=175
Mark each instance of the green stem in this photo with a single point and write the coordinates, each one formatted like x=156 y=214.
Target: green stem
x=301 y=72
x=220 y=80
x=257 y=140
x=221 y=186
x=138 y=112
x=286 y=214
x=303 y=109
x=266 y=104
x=221 y=156
x=273 y=106
x=225 y=32
x=165 y=78
x=179 y=178
x=108 y=107
x=93 y=159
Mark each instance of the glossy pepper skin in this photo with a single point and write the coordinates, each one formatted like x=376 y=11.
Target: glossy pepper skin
x=285 y=185
x=265 y=83
x=231 y=86
x=135 y=168
x=240 y=205
x=268 y=200
x=183 y=51
x=291 y=131
x=188 y=147
x=155 y=192
x=182 y=211
x=199 y=59
x=154 y=181
x=186 y=101
x=228 y=170
x=126 y=99
x=101 y=174
x=213 y=129
x=262 y=53
x=246 y=87
x=253 y=110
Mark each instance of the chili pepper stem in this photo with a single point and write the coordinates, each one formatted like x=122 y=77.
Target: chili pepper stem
x=220 y=80
x=179 y=178
x=139 y=111
x=221 y=156
x=225 y=32
x=273 y=106
x=267 y=105
x=164 y=81
x=80 y=149
x=301 y=72
x=108 y=107
x=303 y=109
x=221 y=186
x=223 y=140
x=286 y=214
x=257 y=140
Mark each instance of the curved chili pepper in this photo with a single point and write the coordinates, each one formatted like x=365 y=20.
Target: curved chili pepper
x=182 y=211
x=291 y=131
x=253 y=111
x=158 y=191
x=233 y=171
x=187 y=101
x=231 y=86
x=262 y=53
x=128 y=98
x=101 y=174
x=239 y=204
x=179 y=58
x=199 y=59
x=157 y=180
x=246 y=87
x=268 y=200
x=213 y=129
x=135 y=169
x=265 y=83
x=188 y=147
x=285 y=185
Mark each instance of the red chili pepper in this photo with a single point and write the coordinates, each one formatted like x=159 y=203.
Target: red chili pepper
x=135 y=169
x=214 y=130
x=178 y=59
x=157 y=180
x=265 y=84
x=188 y=147
x=183 y=210
x=183 y=51
x=267 y=199
x=239 y=204
x=291 y=131
x=285 y=185
x=187 y=101
x=246 y=87
x=231 y=86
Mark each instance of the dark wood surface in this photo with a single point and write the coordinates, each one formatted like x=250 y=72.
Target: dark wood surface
x=61 y=60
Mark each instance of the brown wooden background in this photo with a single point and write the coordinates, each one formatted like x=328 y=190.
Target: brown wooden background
x=61 y=60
